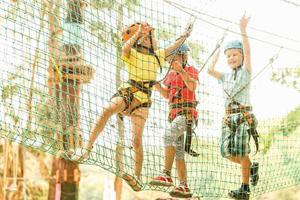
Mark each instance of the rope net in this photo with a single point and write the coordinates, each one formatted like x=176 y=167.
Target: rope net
x=61 y=63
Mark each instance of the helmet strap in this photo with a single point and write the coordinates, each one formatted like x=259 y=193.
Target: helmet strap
x=150 y=50
x=183 y=62
x=235 y=70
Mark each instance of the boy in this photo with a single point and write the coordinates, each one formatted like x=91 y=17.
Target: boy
x=239 y=124
x=180 y=85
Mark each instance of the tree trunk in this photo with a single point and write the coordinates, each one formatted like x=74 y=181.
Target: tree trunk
x=65 y=87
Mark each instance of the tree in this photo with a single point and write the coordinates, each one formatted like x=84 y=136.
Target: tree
x=67 y=72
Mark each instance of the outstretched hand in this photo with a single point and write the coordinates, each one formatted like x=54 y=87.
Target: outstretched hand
x=188 y=30
x=244 y=22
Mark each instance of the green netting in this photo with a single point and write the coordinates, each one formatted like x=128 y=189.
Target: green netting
x=60 y=64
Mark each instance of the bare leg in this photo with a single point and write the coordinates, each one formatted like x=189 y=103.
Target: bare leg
x=235 y=159
x=116 y=105
x=169 y=155
x=181 y=170
x=245 y=166
x=138 y=120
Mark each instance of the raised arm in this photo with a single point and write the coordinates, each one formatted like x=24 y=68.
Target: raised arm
x=211 y=69
x=129 y=43
x=246 y=45
x=190 y=83
x=179 y=41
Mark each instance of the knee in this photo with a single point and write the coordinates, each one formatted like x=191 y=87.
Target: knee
x=246 y=160
x=168 y=140
x=179 y=155
x=180 y=151
x=107 y=112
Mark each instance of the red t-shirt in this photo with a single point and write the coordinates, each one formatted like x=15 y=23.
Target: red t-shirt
x=177 y=87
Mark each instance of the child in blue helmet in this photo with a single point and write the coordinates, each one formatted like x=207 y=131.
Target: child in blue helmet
x=239 y=124
x=179 y=88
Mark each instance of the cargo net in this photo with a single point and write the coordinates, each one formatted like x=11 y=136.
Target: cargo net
x=61 y=63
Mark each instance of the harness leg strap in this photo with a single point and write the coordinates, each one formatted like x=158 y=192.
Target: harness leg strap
x=188 y=141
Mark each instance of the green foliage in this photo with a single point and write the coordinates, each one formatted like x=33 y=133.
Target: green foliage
x=288 y=77
x=286 y=127
x=8 y=91
x=102 y=4
x=266 y=141
x=163 y=34
x=100 y=30
x=12 y=87
x=196 y=49
x=108 y=4
x=292 y=121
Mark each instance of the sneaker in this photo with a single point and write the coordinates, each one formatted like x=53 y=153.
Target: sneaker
x=254 y=173
x=162 y=180
x=182 y=191
x=239 y=194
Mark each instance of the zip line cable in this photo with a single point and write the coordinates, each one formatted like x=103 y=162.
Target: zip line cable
x=231 y=22
x=291 y=2
x=221 y=27
x=271 y=61
x=190 y=25
x=213 y=52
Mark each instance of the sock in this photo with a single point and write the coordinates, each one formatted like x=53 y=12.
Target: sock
x=167 y=172
x=253 y=169
x=245 y=187
x=183 y=183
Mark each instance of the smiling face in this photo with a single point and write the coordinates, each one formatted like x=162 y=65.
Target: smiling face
x=147 y=36
x=234 y=58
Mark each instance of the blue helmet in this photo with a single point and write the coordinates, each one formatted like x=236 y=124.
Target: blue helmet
x=234 y=44
x=181 y=50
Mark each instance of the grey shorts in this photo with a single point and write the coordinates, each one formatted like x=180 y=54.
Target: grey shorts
x=235 y=140
x=174 y=135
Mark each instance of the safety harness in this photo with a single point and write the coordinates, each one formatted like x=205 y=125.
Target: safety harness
x=186 y=108
x=235 y=107
x=142 y=86
x=127 y=94
x=129 y=31
x=151 y=50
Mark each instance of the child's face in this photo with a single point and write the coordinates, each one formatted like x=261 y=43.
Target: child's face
x=234 y=58
x=179 y=58
x=145 y=40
